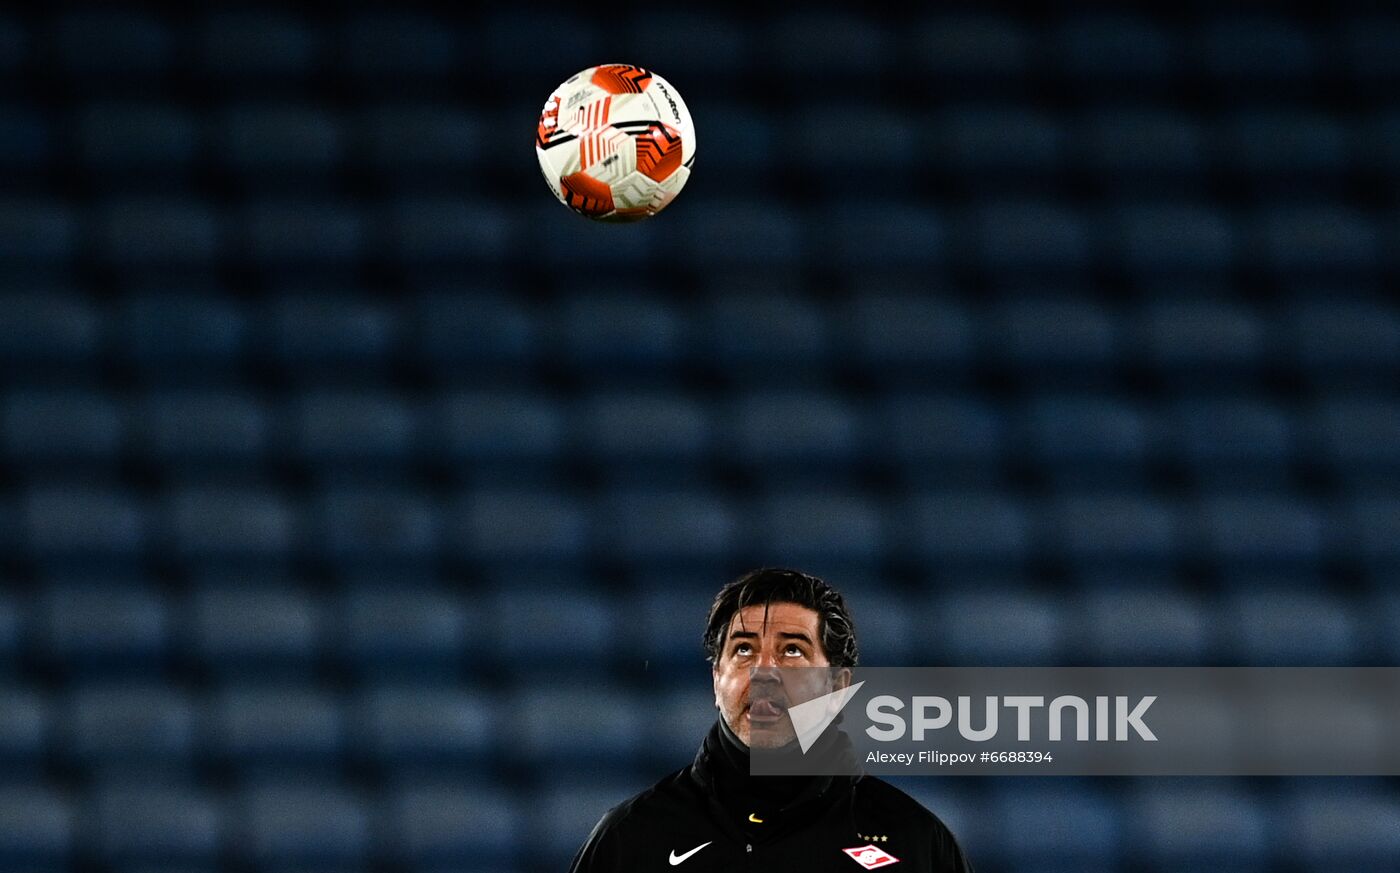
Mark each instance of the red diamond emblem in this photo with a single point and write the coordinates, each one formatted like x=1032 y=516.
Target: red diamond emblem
x=871 y=857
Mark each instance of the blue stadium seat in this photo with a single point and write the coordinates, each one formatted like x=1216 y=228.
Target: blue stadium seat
x=264 y=142
x=25 y=729
x=605 y=720
x=413 y=729
x=376 y=526
x=831 y=135
x=15 y=44
x=47 y=333
x=317 y=335
x=302 y=824
x=731 y=234
x=641 y=526
x=36 y=828
x=611 y=337
x=567 y=811
x=819 y=530
x=1287 y=152
x=968 y=528
x=875 y=235
x=765 y=336
x=437 y=827
x=202 y=430
x=216 y=523
x=1257 y=55
x=1116 y=53
x=409 y=630
x=994 y=629
x=835 y=48
x=1287 y=628
x=1195 y=342
x=271 y=730
x=1318 y=242
x=257 y=44
x=1373 y=530
x=129 y=729
x=428 y=229
x=1341 y=342
x=421 y=141
x=155 y=824
x=103 y=626
x=1342 y=826
x=695 y=45
x=742 y=143
x=1256 y=531
x=464 y=333
x=381 y=47
x=176 y=337
x=356 y=430
x=964 y=48
x=905 y=335
x=790 y=433
x=1365 y=42
x=670 y=616
x=1229 y=441
x=303 y=231
x=580 y=248
x=1176 y=240
x=677 y=719
x=68 y=523
x=1086 y=439
x=1021 y=237
x=1125 y=528
x=495 y=434
x=930 y=439
x=1142 y=150
x=571 y=628
x=1125 y=626
x=515 y=527
x=36 y=231
x=1052 y=340
x=1355 y=436
x=100 y=46
x=119 y=138
x=14 y=613
x=1074 y=825
x=158 y=231
x=241 y=629
x=990 y=148
x=639 y=436
x=79 y=430
x=509 y=33
x=25 y=139
x=887 y=629
x=1198 y=826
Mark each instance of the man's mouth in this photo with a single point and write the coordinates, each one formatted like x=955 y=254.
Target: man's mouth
x=766 y=710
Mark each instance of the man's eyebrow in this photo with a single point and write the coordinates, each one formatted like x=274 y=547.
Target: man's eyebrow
x=738 y=634
x=803 y=637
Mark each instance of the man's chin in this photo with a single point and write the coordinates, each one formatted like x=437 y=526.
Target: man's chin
x=772 y=734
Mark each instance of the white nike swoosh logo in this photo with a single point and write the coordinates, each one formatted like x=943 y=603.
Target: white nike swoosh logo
x=678 y=859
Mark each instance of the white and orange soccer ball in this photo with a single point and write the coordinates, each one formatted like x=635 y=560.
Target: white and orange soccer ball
x=615 y=143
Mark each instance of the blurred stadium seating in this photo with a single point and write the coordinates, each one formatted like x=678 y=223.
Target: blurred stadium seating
x=340 y=468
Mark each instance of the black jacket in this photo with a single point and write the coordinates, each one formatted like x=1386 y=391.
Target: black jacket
x=768 y=824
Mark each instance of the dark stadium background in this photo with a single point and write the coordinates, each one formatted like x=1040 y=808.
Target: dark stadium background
x=361 y=504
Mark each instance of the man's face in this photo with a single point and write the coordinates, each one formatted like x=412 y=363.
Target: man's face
x=753 y=651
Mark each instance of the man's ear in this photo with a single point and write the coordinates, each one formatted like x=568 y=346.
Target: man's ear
x=842 y=679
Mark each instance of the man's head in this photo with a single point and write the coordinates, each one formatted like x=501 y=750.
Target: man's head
x=764 y=620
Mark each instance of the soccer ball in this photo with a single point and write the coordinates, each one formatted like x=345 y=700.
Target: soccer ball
x=615 y=143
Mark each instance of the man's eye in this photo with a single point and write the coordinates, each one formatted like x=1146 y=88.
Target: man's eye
x=794 y=650
x=742 y=649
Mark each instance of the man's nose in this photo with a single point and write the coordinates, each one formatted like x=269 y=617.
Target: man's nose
x=767 y=661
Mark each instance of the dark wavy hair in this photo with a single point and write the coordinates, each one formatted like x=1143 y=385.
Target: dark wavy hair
x=769 y=585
